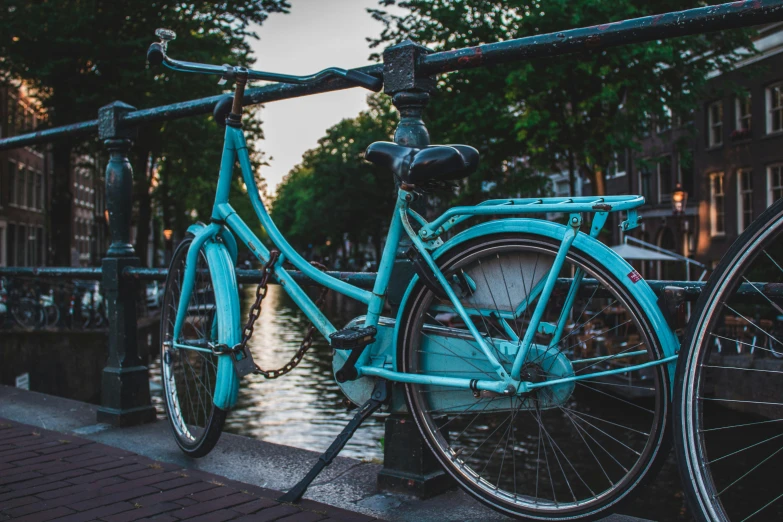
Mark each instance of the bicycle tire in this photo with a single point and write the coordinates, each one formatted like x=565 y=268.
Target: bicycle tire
x=196 y=425
x=722 y=483
x=51 y=315
x=27 y=313
x=583 y=404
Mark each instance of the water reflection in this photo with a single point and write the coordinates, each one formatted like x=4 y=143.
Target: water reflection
x=304 y=408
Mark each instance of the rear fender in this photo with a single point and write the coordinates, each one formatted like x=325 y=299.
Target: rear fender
x=616 y=265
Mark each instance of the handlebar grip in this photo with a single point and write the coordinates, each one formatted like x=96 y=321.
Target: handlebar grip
x=364 y=80
x=155 y=54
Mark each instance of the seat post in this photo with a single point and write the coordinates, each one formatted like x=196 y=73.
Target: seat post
x=235 y=118
x=408 y=464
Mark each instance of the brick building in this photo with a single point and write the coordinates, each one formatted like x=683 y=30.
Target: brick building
x=25 y=193
x=728 y=157
x=24 y=184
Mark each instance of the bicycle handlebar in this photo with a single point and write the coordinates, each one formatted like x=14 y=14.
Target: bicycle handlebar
x=156 y=55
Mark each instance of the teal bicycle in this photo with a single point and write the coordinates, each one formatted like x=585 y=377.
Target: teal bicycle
x=534 y=360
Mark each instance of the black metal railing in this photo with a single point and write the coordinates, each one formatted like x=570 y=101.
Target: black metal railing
x=408 y=72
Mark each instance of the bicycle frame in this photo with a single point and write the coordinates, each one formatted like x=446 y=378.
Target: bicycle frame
x=427 y=238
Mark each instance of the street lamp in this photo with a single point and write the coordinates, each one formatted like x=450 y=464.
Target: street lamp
x=679 y=200
x=167 y=233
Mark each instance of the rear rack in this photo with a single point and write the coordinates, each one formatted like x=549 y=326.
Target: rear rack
x=505 y=207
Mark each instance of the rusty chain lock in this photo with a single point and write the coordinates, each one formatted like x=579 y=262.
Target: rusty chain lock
x=255 y=313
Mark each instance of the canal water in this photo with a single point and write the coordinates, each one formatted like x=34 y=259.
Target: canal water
x=306 y=408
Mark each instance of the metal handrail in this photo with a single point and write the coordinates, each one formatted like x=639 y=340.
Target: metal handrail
x=681 y=23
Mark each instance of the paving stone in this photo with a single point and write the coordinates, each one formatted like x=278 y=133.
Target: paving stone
x=142 y=512
x=43 y=478
x=304 y=516
x=255 y=505
x=43 y=516
x=99 y=512
x=214 y=505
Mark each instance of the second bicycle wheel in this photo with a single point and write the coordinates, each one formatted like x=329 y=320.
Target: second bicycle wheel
x=561 y=452
x=729 y=402
x=189 y=376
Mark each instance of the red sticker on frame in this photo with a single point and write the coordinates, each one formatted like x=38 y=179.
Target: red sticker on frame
x=635 y=276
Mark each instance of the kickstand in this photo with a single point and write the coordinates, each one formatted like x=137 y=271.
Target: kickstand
x=379 y=396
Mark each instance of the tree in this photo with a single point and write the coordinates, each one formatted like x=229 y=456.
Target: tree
x=79 y=55
x=575 y=111
x=334 y=191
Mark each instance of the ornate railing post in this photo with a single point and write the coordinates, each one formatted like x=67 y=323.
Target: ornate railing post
x=408 y=464
x=125 y=390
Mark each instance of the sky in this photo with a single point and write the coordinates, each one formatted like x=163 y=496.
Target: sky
x=316 y=34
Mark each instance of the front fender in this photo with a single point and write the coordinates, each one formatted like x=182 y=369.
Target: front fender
x=225 y=234
x=616 y=265
x=221 y=269
x=224 y=281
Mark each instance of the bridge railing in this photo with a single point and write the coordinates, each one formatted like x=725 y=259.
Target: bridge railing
x=408 y=71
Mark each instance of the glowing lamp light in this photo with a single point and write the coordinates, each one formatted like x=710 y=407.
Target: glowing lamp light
x=679 y=200
x=167 y=233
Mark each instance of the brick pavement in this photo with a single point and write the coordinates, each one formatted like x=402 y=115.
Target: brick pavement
x=46 y=475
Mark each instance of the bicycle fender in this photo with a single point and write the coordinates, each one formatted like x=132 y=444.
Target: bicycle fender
x=221 y=269
x=618 y=266
x=225 y=234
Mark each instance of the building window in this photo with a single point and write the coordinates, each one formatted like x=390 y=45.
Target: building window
x=11 y=245
x=744 y=198
x=619 y=164
x=775 y=108
x=742 y=110
x=20 y=192
x=32 y=246
x=664 y=178
x=39 y=200
x=21 y=244
x=11 y=183
x=665 y=123
x=717 y=210
x=644 y=183
x=775 y=183
x=715 y=122
x=30 y=188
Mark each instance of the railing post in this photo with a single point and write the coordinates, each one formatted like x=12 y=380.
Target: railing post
x=408 y=464
x=125 y=390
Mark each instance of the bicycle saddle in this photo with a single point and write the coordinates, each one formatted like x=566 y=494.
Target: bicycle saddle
x=419 y=166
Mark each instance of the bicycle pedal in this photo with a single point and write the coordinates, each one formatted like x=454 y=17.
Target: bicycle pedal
x=353 y=337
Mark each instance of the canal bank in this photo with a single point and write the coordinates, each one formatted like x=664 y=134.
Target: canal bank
x=348 y=484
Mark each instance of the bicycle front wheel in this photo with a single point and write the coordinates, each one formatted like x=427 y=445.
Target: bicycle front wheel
x=729 y=403
x=189 y=376
x=561 y=452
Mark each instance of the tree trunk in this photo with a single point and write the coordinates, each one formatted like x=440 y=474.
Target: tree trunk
x=61 y=214
x=599 y=183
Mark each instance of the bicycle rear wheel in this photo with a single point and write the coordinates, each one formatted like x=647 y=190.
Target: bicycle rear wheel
x=729 y=405
x=564 y=452
x=189 y=376
x=28 y=313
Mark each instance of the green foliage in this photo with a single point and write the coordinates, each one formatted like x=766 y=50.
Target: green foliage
x=334 y=191
x=568 y=112
x=79 y=55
